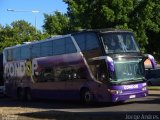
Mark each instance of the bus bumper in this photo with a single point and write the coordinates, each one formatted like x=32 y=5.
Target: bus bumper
x=124 y=97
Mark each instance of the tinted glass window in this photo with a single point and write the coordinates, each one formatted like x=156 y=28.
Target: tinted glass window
x=46 y=48
x=119 y=42
x=5 y=56
x=86 y=41
x=91 y=41
x=70 y=47
x=59 y=46
x=16 y=53
x=25 y=52
x=80 y=39
x=35 y=50
x=128 y=70
x=46 y=75
x=69 y=73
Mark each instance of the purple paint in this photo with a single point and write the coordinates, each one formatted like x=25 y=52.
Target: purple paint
x=116 y=98
x=129 y=92
x=110 y=63
x=61 y=60
x=128 y=87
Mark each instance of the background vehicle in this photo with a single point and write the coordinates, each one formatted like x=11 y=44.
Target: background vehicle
x=81 y=65
x=153 y=76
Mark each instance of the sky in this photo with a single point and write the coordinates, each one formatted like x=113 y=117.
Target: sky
x=23 y=10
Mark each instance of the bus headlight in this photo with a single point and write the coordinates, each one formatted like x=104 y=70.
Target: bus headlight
x=115 y=91
x=144 y=88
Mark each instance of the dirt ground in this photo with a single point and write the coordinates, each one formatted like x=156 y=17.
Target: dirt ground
x=154 y=92
x=12 y=113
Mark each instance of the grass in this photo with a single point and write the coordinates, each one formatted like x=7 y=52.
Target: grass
x=154 y=87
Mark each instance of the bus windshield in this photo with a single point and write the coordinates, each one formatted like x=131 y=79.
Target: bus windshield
x=119 y=42
x=128 y=70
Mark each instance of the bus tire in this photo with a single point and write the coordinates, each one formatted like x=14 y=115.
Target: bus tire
x=28 y=95
x=20 y=94
x=86 y=96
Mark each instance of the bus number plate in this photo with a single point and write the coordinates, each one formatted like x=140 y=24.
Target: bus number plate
x=132 y=96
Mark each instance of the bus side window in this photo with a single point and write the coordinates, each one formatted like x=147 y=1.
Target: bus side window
x=70 y=47
x=77 y=73
x=46 y=48
x=82 y=73
x=16 y=53
x=35 y=51
x=67 y=74
x=102 y=73
x=47 y=75
x=91 y=41
x=86 y=41
x=57 y=46
x=59 y=74
x=9 y=54
x=70 y=73
x=80 y=39
x=74 y=74
x=25 y=52
x=63 y=75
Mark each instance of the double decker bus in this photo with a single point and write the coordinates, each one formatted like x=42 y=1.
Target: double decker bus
x=90 y=65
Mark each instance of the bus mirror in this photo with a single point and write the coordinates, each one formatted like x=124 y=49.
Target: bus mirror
x=110 y=64
x=152 y=60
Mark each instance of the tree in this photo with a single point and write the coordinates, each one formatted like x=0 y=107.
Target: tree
x=99 y=13
x=17 y=33
x=6 y=34
x=24 y=32
x=145 y=19
x=56 y=24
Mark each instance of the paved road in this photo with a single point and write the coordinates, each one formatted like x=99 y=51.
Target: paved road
x=147 y=108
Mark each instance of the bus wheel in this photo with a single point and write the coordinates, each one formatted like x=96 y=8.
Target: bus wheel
x=86 y=97
x=28 y=95
x=20 y=94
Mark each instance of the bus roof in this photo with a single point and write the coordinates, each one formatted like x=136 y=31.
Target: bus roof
x=103 y=30
x=36 y=41
x=107 y=30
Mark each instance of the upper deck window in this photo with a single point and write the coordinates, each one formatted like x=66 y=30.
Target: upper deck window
x=86 y=41
x=35 y=51
x=9 y=54
x=63 y=46
x=25 y=52
x=70 y=47
x=46 y=48
x=119 y=42
x=59 y=46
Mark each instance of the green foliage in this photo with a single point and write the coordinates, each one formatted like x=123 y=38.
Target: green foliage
x=99 y=13
x=144 y=18
x=17 y=33
x=56 y=24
